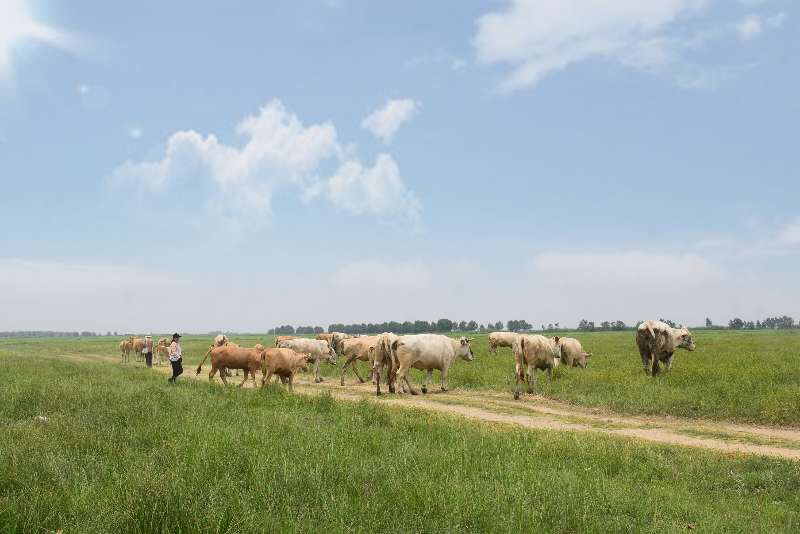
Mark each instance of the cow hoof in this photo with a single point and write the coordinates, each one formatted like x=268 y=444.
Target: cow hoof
x=378 y=393
x=414 y=392
x=391 y=389
x=341 y=383
x=516 y=395
x=424 y=389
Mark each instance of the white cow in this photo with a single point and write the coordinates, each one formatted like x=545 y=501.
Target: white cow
x=572 y=353
x=531 y=353
x=657 y=342
x=315 y=348
x=428 y=352
x=501 y=339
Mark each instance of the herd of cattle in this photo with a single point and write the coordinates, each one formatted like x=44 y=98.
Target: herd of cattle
x=657 y=343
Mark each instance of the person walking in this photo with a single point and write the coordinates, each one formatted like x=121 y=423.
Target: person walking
x=147 y=350
x=175 y=357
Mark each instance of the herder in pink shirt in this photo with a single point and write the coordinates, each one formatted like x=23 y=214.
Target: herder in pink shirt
x=175 y=357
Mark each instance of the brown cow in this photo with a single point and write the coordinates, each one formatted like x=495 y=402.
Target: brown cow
x=534 y=352
x=284 y=363
x=125 y=347
x=359 y=348
x=137 y=344
x=382 y=357
x=162 y=351
x=657 y=342
x=227 y=357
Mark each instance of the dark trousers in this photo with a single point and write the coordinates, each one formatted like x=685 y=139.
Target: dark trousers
x=177 y=368
x=148 y=359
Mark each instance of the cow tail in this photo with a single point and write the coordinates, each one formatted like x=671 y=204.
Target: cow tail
x=200 y=367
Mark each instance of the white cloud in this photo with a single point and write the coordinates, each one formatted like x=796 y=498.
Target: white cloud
x=376 y=189
x=458 y=64
x=135 y=133
x=540 y=37
x=630 y=268
x=403 y=275
x=749 y=27
x=789 y=235
x=383 y=123
x=279 y=151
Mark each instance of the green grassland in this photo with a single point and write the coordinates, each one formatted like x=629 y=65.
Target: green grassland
x=123 y=451
x=749 y=377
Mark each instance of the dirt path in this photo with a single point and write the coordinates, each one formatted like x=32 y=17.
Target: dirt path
x=541 y=413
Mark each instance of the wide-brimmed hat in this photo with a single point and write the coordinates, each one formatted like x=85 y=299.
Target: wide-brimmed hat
x=176 y=335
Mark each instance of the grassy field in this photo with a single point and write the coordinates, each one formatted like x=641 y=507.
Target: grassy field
x=750 y=377
x=122 y=451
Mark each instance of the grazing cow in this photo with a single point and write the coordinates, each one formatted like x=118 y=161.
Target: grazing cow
x=657 y=342
x=501 y=339
x=428 y=352
x=315 y=348
x=162 y=351
x=284 y=363
x=534 y=352
x=137 y=344
x=572 y=353
x=227 y=357
x=325 y=337
x=360 y=348
x=125 y=347
x=382 y=357
x=278 y=339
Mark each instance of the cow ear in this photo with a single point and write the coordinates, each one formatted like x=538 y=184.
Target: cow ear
x=556 y=338
x=463 y=341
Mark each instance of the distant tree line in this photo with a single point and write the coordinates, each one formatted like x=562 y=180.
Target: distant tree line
x=605 y=326
x=45 y=333
x=783 y=323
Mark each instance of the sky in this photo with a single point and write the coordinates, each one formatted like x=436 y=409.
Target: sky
x=199 y=166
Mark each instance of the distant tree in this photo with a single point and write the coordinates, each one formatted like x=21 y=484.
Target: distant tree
x=736 y=324
x=605 y=325
x=472 y=326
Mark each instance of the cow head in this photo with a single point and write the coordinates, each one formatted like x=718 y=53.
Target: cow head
x=306 y=357
x=331 y=355
x=465 y=351
x=685 y=340
x=555 y=347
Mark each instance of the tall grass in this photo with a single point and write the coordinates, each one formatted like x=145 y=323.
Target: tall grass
x=123 y=451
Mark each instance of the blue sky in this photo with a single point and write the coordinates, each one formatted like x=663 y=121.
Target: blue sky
x=206 y=165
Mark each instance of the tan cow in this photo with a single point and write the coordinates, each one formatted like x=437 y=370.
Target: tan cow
x=162 y=351
x=317 y=349
x=284 y=363
x=360 y=348
x=325 y=337
x=227 y=357
x=125 y=347
x=137 y=344
x=657 y=342
x=428 y=352
x=382 y=357
x=501 y=339
x=534 y=352
x=572 y=353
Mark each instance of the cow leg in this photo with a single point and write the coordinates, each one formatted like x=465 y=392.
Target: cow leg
x=265 y=378
x=531 y=379
x=355 y=370
x=444 y=373
x=291 y=380
x=519 y=375
x=668 y=361
x=245 y=378
x=317 y=378
x=222 y=372
x=402 y=376
x=211 y=373
x=376 y=371
x=428 y=380
x=345 y=365
x=654 y=367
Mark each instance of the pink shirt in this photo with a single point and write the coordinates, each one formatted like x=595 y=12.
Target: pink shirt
x=174 y=351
